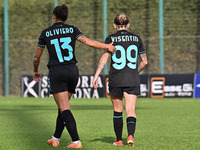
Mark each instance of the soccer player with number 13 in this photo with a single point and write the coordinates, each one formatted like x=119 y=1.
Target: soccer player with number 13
x=60 y=39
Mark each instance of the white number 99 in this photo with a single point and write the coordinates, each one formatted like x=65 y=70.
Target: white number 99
x=120 y=62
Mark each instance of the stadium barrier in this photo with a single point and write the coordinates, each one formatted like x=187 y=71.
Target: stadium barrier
x=176 y=85
x=197 y=86
x=84 y=89
x=154 y=86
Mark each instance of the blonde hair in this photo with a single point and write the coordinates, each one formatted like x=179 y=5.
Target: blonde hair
x=121 y=20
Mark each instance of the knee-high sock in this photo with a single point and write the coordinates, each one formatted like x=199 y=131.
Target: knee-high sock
x=118 y=124
x=70 y=124
x=131 y=123
x=59 y=125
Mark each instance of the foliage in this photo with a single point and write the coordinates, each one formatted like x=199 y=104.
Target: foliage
x=28 y=18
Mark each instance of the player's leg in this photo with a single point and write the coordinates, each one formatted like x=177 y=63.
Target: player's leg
x=62 y=100
x=117 y=118
x=130 y=103
x=59 y=122
x=55 y=140
x=62 y=82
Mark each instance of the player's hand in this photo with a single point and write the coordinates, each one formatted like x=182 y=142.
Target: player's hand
x=95 y=83
x=111 y=48
x=36 y=76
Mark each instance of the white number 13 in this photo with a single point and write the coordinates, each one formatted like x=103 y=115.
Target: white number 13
x=64 y=46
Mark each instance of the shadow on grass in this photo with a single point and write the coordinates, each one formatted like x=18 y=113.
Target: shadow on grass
x=107 y=139
x=48 y=107
x=91 y=107
x=99 y=107
x=26 y=107
x=29 y=123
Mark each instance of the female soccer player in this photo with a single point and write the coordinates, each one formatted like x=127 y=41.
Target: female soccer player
x=60 y=40
x=123 y=76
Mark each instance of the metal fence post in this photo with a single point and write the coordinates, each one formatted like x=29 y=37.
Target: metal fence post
x=161 y=37
x=55 y=3
x=6 y=50
x=105 y=29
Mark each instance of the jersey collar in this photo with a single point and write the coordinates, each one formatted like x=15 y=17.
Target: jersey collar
x=58 y=23
x=121 y=30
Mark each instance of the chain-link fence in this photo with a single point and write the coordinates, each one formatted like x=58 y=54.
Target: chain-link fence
x=27 y=18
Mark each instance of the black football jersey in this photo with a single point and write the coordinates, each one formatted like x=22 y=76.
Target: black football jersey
x=123 y=68
x=60 y=40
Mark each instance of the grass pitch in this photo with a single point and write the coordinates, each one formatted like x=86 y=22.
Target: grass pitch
x=165 y=124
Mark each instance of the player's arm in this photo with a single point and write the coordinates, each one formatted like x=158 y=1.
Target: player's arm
x=102 y=62
x=96 y=44
x=36 y=62
x=143 y=62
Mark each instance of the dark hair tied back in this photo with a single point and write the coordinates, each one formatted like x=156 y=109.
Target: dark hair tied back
x=61 y=12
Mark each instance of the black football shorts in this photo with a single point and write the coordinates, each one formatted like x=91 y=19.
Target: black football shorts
x=63 y=78
x=118 y=91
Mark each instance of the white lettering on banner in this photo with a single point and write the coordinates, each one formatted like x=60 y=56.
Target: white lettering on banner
x=78 y=93
x=169 y=94
x=178 y=90
x=95 y=94
x=187 y=87
x=173 y=88
x=157 y=87
x=84 y=81
x=143 y=89
x=143 y=94
x=44 y=81
x=100 y=84
x=184 y=93
x=43 y=91
x=29 y=87
x=86 y=93
x=79 y=82
x=84 y=87
x=91 y=79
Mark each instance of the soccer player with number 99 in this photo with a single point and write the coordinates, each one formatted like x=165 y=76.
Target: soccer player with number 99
x=123 y=76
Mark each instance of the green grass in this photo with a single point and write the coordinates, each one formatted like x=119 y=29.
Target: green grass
x=165 y=124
